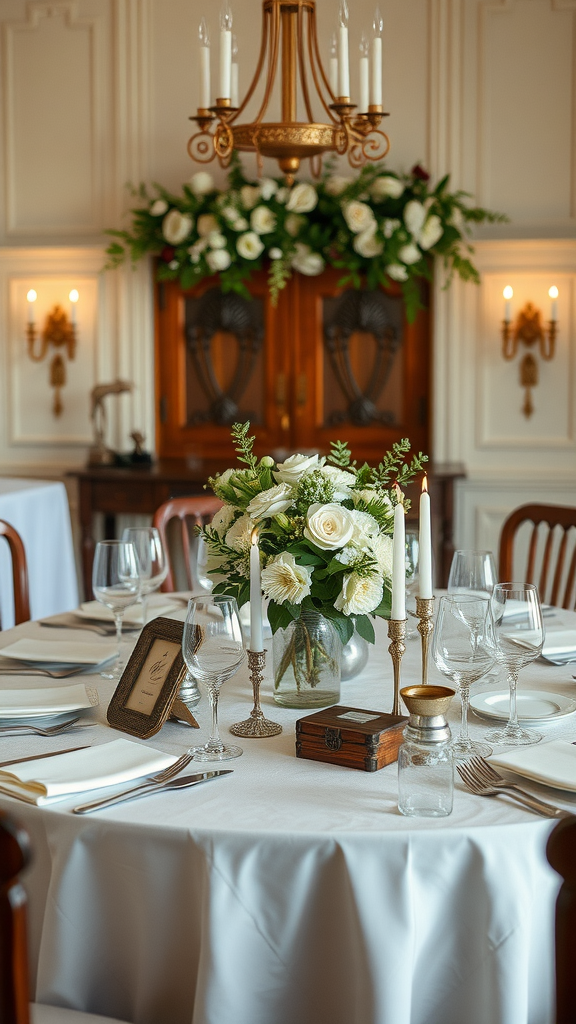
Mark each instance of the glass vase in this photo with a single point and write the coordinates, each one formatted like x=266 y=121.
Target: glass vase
x=307 y=659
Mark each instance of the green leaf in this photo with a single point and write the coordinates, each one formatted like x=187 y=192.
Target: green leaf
x=279 y=616
x=365 y=628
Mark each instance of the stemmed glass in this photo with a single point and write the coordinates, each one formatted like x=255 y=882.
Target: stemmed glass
x=462 y=651
x=412 y=553
x=518 y=638
x=152 y=561
x=213 y=649
x=472 y=572
x=116 y=584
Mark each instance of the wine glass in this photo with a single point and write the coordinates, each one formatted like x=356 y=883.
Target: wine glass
x=152 y=561
x=213 y=649
x=412 y=552
x=472 y=572
x=518 y=638
x=116 y=584
x=462 y=651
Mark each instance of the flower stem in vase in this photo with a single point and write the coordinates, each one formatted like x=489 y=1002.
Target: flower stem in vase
x=307 y=656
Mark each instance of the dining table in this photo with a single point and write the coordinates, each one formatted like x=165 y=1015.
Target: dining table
x=292 y=891
x=39 y=511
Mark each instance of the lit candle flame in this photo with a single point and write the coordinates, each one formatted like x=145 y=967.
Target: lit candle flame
x=254 y=535
x=553 y=292
x=32 y=295
x=425 y=483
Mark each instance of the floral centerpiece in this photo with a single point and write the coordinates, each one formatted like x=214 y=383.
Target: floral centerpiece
x=324 y=527
x=378 y=227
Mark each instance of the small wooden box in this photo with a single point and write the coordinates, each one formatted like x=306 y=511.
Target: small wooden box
x=351 y=737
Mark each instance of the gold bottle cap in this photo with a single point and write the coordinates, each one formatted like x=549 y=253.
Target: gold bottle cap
x=428 y=700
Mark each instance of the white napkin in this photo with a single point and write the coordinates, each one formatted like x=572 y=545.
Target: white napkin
x=50 y=700
x=158 y=604
x=559 y=642
x=108 y=764
x=553 y=764
x=59 y=652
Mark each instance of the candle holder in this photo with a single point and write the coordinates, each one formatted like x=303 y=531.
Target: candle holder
x=425 y=611
x=257 y=725
x=397 y=634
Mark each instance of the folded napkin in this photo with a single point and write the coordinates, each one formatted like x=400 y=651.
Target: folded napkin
x=559 y=642
x=62 y=652
x=158 y=604
x=49 y=700
x=108 y=764
x=553 y=764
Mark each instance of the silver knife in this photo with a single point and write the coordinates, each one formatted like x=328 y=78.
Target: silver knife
x=151 y=787
x=38 y=757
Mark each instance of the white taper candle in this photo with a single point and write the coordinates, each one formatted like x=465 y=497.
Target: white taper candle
x=425 y=545
x=364 y=76
x=399 y=564
x=256 y=636
x=31 y=297
x=376 y=83
x=204 y=66
x=343 y=59
x=225 y=52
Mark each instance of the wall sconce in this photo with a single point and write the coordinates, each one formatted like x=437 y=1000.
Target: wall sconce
x=60 y=333
x=528 y=330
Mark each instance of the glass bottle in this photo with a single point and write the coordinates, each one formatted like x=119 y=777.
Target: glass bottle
x=425 y=763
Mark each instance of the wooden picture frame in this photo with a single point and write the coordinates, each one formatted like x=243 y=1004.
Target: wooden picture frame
x=148 y=689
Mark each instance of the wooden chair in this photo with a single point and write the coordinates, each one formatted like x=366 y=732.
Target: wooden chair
x=561 y=853
x=14 y=993
x=191 y=512
x=555 y=572
x=19 y=572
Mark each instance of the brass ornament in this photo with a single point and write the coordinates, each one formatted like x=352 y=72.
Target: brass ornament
x=425 y=612
x=397 y=635
x=528 y=330
x=256 y=726
x=58 y=333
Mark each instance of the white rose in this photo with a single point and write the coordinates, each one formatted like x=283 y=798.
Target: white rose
x=366 y=244
x=173 y=264
x=159 y=206
x=343 y=481
x=230 y=213
x=249 y=195
x=176 y=227
x=386 y=187
x=207 y=224
x=390 y=226
x=240 y=224
x=294 y=468
x=282 y=195
x=303 y=198
x=275 y=253
x=293 y=223
x=239 y=536
x=414 y=216
x=358 y=216
x=222 y=519
x=431 y=232
x=337 y=183
x=202 y=183
x=409 y=253
x=365 y=528
x=268 y=188
x=307 y=262
x=250 y=245
x=382 y=547
x=271 y=502
x=218 y=259
x=397 y=272
x=359 y=595
x=262 y=220
x=328 y=526
x=283 y=580
x=216 y=240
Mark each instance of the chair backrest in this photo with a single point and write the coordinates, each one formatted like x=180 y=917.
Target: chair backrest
x=191 y=512
x=551 y=562
x=14 y=855
x=561 y=853
x=19 y=572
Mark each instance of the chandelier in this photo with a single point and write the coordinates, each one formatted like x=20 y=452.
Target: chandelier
x=290 y=39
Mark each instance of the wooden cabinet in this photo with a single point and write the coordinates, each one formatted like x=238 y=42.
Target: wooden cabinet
x=326 y=363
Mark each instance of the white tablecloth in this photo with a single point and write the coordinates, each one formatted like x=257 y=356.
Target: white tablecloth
x=38 y=510
x=292 y=892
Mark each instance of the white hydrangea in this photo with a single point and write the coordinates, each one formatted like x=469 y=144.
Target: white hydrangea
x=284 y=580
x=222 y=519
x=382 y=547
x=239 y=536
x=360 y=595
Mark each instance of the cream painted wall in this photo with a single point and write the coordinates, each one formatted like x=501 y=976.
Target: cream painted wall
x=97 y=93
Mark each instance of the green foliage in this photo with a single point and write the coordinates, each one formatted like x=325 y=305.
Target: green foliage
x=244 y=444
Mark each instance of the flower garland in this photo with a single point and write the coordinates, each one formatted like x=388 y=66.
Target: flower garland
x=377 y=228
x=324 y=532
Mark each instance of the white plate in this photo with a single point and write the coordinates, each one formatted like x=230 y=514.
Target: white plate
x=45 y=702
x=535 y=707
x=62 y=652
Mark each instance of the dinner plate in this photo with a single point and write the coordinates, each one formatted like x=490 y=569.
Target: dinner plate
x=50 y=701
x=158 y=604
x=535 y=707
x=61 y=652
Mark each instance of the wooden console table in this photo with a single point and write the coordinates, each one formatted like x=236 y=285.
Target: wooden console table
x=141 y=490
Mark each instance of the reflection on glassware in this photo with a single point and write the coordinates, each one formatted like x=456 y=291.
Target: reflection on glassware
x=472 y=572
x=463 y=652
x=412 y=549
x=213 y=649
x=116 y=584
x=518 y=637
x=152 y=561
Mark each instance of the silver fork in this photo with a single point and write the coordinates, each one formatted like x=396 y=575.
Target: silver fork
x=150 y=783
x=33 y=670
x=50 y=730
x=478 y=785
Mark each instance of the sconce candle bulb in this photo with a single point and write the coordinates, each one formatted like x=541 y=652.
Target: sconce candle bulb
x=204 y=65
x=508 y=293
x=553 y=293
x=334 y=64
x=343 y=60
x=73 y=296
x=225 y=50
x=376 y=86
x=364 y=75
x=31 y=297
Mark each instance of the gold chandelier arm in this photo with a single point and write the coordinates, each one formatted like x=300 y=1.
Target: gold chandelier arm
x=272 y=61
x=256 y=78
x=374 y=148
x=303 y=79
x=31 y=345
x=315 y=61
x=201 y=147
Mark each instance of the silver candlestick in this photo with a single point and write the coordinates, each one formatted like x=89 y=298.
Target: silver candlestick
x=257 y=725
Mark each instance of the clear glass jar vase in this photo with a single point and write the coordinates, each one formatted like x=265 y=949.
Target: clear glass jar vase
x=307 y=659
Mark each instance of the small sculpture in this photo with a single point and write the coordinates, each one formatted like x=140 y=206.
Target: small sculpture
x=100 y=454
